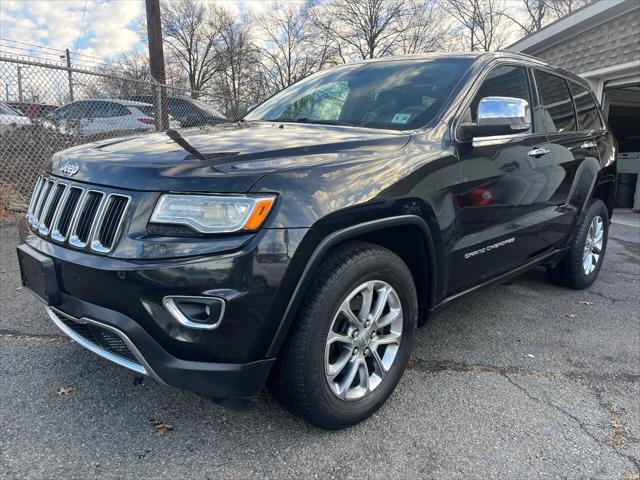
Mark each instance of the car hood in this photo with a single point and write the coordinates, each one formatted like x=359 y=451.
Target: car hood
x=224 y=158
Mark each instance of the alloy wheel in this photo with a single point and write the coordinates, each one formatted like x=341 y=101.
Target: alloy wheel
x=593 y=245
x=363 y=340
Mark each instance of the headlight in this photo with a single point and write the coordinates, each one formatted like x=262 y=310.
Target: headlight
x=213 y=213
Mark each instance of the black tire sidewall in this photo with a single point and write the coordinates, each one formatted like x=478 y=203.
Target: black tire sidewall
x=374 y=267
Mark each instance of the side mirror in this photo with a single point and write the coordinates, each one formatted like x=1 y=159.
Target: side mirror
x=499 y=116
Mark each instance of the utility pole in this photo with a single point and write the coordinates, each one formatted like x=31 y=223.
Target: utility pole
x=70 y=75
x=6 y=91
x=19 y=83
x=156 y=62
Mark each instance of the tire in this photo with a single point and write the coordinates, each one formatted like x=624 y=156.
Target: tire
x=571 y=272
x=301 y=380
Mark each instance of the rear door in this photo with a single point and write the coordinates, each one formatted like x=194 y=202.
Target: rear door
x=590 y=120
x=574 y=150
x=502 y=201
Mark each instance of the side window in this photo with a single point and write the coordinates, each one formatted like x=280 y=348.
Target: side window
x=77 y=110
x=100 y=110
x=505 y=81
x=556 y=102
x=588 y=116
x=61 y=113
x=117 y=110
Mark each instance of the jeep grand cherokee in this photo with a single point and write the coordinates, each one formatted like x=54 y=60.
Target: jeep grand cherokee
x=302 y=246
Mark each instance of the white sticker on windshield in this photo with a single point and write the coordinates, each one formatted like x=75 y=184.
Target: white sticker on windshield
x=401 y=118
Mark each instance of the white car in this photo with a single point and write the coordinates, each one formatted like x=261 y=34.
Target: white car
x=103 y=116
x=10 y=119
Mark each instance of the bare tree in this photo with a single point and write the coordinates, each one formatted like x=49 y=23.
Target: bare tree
x=190 y=42
x=562 y=8
x=423 y=29
x=236 y=60
x=370 y=28
x=532 y=15
x=480 y=22
x=286 y=50
x=535 y=14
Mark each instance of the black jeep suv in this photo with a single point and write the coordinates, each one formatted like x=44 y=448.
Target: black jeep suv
x=303 y=245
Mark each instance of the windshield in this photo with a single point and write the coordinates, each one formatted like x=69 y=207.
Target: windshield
x=5 y=110
x=398 y=94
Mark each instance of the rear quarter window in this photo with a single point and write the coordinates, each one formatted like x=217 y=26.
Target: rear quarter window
x=556 y=102
x=588 y=115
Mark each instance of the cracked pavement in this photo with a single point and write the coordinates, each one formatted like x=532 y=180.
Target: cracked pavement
x=523 y=380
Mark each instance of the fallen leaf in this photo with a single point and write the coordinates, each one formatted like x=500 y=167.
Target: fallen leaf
x=65 y=391
x=18 y=289
x=571 y=316
x=161 y=428
x=584 y=302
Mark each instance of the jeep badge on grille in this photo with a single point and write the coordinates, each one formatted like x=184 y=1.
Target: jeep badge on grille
x=70 y=169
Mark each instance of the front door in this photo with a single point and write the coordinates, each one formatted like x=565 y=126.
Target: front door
x=502 y=203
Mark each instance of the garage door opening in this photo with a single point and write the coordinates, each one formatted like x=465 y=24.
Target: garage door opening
x=622 y=109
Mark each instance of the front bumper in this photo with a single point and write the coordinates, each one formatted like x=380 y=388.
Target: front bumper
x=233 y=382
x=124 y=300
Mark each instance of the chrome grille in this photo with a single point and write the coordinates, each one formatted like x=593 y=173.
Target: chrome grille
x=83 y=218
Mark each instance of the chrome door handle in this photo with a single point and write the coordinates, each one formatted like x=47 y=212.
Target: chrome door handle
x=538 y=152
x=587 y=145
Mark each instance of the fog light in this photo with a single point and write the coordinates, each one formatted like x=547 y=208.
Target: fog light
x=195 y=312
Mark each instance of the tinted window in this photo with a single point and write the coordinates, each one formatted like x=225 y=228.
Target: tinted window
x=100 y=109
x=506 y=81
x=588 y=116
x=148 y=110
x=7 y=111
x=556 y=101
x=118 y=110
x=396 y=94
x=78 y=110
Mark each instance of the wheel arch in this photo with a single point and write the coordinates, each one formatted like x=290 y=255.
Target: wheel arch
x=379 y=232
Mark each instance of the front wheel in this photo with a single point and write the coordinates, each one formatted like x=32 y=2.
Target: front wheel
x=352 y=339
x=580 y=266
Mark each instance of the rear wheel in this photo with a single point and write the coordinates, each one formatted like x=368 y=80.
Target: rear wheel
x=352 y=339
x=581 y=265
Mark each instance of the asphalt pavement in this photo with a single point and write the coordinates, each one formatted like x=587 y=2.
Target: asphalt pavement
x=523 y=380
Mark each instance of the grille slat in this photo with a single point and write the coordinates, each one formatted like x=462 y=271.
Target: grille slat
x=42 y=198
x=52 y=207
x=114 y=213
x=87 y=216
x=61 y=226
x=83 y=218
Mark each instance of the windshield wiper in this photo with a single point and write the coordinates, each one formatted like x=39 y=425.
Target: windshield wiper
x=319 y=121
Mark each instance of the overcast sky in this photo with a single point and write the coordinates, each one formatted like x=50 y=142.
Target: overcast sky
x=110 y=27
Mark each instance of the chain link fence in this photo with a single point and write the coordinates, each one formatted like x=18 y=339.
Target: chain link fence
x=48 y=107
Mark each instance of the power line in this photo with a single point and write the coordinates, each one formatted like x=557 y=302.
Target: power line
x=81 y=25
x=59 y=52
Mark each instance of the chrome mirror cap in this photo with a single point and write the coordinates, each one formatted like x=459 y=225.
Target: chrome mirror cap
x=514 y=112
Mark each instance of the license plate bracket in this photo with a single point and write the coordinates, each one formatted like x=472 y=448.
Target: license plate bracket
x=38 y=274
